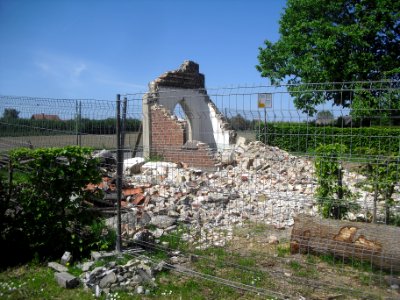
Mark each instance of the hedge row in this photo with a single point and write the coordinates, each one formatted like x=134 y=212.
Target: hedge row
x=28 y=127
x=303 y=138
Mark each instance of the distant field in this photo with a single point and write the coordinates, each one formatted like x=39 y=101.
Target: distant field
x=95 y=141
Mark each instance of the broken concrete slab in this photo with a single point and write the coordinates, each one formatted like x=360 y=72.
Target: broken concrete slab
x=57 y=267
x=66 y=280
x=227 y=157
x=86 y=266
x=107 y=280
x=96 y=255
x=162 y=221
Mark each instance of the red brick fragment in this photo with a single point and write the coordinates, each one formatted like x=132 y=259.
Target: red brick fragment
x=138 y=199
x=132 y=191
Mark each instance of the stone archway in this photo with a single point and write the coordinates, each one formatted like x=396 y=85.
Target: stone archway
x=164 y=133
x=182 y=108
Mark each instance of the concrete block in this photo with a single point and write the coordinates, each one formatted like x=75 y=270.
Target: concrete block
x=66 y=280
x=57 y=267
x=100 y=255
x=66 y=258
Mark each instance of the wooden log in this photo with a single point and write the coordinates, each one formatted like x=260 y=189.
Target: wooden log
x=377 y=244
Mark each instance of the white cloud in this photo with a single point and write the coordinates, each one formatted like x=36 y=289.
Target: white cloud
x=79 y=69
x=60 y=67
x=78 y=76
x=121 y=84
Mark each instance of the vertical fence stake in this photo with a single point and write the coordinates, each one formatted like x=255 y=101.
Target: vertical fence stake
x=78 y=112
x=123 y=126
x=79 y=124
x=119 y=172
x=76 y=122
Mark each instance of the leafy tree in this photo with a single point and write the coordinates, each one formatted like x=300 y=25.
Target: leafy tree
x=10 y=113
x=335 y=41
x=325 y=117
x=333 y=196
x=238 y=122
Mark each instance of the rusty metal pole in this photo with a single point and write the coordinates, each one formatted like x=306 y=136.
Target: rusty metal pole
x=119 y=172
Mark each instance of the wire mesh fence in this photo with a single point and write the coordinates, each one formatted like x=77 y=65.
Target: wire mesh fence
x=298 y=202
x=38 y=122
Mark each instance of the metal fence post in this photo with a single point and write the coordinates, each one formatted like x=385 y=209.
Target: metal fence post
x=78 y=112
x=79 y=124
x=76 y=122
x=119 y=172
x=123 y=126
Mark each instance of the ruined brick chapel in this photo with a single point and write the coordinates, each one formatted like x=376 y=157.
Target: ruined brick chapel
x=195 y=140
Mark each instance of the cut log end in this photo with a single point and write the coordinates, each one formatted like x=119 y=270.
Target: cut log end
x=377 y=244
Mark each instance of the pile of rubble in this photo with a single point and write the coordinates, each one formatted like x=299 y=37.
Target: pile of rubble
x=255 y=183
x=136 y=275
x=132 y=276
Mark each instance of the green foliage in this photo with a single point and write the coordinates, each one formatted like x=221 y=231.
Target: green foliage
x=238 y=122
x=34 y=281
x=333 y=41
x=376 y=107
x=10 y=113
x=102 y=237
x=30 y=127
x=325 y=117
x=382 y=175
x=46 y=214
x=333 y=197
x=283 y=250
x=304 y=138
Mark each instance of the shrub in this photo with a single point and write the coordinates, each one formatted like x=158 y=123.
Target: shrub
x=333 y=196
x=382 y=175
x=47 y=211
x=303 y=138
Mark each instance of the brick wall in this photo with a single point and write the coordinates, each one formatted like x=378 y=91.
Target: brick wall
x=168 y=140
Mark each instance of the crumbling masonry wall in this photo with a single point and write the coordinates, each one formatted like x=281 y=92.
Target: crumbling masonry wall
x=168 y=141
x=194 y=141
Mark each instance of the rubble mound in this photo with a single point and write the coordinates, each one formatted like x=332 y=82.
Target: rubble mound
x=255 y=184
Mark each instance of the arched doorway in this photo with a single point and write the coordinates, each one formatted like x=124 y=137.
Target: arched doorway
x=182 y=112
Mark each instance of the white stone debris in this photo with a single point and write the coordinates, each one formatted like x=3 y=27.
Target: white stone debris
x=260 y=184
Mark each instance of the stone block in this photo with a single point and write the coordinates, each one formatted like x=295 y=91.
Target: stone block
x=66 y=258
x=66 y=280
x=57 y=267
x=100 y=255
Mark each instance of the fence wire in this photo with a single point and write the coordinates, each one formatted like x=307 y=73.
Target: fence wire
x=240 y=223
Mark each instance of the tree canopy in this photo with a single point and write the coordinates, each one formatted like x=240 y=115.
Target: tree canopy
x=10 y=113
x=333 y=41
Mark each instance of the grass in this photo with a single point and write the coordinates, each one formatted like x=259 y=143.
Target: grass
x=35 y=282
x=246 y=269
x=283 y=250
x=96 y=141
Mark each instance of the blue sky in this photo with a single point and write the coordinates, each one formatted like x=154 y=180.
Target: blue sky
x=96 y=49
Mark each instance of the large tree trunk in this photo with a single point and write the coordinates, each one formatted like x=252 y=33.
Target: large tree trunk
x=377 y=244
